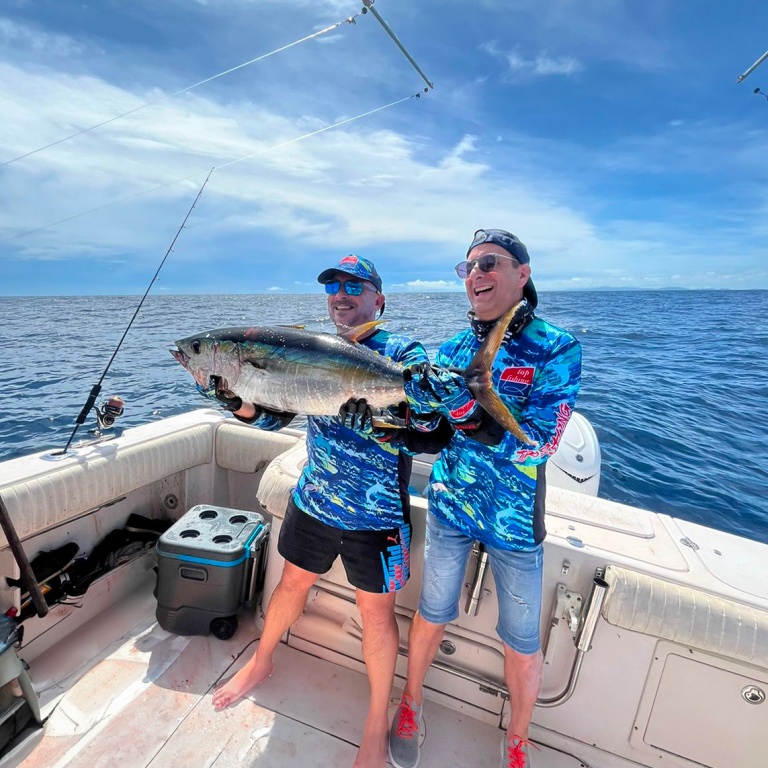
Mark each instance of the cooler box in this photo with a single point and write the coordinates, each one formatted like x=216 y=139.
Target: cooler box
x=210 y=563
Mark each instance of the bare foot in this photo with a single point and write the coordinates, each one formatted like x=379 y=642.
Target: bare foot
x=373 y=747
x=240 y=683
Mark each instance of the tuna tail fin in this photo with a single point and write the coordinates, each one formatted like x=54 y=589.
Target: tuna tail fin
x=478 y=375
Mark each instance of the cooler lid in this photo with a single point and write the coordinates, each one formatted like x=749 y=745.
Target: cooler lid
x=212 y=533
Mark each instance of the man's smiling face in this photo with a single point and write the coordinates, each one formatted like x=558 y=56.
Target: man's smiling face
x=350 y=311
x=491 y=294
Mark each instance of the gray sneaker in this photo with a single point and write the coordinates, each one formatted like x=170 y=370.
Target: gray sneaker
x=516 y=753
x=404 y=735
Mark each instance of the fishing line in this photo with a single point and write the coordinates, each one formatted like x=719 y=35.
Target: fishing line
x=197 y=173
x=89 y=403
x=350 y=20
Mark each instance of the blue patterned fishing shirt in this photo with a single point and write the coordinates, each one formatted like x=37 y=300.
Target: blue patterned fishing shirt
x=495 y=494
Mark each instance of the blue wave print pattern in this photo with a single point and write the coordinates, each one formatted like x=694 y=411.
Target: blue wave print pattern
x=488 y=492
x=351 y=481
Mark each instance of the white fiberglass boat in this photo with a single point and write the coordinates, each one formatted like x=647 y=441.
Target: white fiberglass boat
x=656 y=629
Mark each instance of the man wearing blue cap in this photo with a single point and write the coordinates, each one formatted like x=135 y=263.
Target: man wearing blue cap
x=351 y=501
x=488 y=485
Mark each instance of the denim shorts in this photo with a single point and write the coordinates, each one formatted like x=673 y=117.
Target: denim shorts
x=517 y=575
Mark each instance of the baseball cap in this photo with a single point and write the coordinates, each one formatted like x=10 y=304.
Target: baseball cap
x=352 y=265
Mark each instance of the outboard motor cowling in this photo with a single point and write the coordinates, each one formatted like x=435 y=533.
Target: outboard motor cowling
x=576 y=463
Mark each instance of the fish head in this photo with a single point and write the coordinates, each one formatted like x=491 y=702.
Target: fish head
x=209 y=355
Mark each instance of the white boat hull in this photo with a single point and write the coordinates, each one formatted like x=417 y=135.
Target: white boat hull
x=680 y=643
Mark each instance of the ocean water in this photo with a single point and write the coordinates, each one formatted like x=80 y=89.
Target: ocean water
x=675 y=383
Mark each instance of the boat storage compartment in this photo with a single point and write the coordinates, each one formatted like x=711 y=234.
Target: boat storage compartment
x=210 y=563
x=704 y=708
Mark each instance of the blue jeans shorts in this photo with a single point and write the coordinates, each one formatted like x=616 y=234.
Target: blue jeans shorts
x=517 y=575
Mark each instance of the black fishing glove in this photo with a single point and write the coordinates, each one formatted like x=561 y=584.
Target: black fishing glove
x=409 y=437
x=357 y=415
x=483 y=428
x=231 y=402
x=228 y=399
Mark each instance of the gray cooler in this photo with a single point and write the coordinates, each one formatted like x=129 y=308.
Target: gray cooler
x=210 y=563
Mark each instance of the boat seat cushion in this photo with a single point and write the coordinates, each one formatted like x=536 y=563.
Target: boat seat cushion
x=242 y=448
x=690 y=617
x=106 y=472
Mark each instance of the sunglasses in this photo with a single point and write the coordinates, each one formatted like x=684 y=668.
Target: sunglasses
x=351 y=287
x=485 y=263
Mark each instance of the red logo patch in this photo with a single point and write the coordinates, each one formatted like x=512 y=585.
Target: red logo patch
x=464 y=410
x=518 y=375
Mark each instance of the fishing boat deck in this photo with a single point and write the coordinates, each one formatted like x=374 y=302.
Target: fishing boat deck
x=142 y=697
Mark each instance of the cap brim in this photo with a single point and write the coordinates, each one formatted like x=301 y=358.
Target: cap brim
x=329 y=275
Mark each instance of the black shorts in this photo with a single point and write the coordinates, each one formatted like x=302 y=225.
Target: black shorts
x=375 y=561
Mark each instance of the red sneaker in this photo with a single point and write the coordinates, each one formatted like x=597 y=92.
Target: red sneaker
x=516 y=753
x=404 y=735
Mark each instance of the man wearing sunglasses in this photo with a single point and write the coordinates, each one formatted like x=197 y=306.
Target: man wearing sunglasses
x=351 y=501
x=488 y=485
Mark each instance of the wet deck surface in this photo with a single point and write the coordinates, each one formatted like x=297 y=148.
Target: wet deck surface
x=148 y=703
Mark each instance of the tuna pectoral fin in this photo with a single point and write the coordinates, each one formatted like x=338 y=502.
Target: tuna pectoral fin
x=358 y=331
x=478 y=376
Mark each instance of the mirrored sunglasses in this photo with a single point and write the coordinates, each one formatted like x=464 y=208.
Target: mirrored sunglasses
x=485 y=263
x=351 y=287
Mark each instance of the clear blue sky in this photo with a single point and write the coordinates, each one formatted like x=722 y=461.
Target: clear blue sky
x=611 y=136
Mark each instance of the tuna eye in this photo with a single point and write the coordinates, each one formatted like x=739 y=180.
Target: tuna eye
x=196 y=346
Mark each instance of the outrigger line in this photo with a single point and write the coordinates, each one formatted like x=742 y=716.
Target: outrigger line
x=89 y=403
x=198 y=173
x=350 y=20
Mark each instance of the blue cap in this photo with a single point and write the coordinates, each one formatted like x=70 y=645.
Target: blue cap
x=352 y=265
x=512 y=245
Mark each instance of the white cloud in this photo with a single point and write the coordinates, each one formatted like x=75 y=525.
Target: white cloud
x=540 y=65
x=362 y=186
x=420 y=286
x=26 y=37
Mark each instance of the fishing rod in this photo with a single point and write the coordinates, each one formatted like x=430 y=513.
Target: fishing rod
x=114 y=407
x=369 y=7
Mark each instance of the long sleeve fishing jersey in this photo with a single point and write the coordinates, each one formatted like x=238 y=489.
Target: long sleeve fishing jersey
x=495 y=493
x=351 y=480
